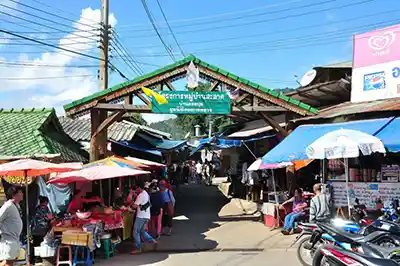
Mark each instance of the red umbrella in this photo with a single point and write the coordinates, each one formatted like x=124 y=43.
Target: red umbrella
x=32 y=168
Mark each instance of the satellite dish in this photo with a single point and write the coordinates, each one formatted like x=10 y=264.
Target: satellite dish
x=308 y=77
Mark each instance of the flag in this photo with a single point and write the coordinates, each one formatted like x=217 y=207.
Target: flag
x=152 y=94
x=233 y=95
x=192 y=76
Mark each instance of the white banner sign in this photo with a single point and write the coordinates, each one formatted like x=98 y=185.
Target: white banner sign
x=367 y=193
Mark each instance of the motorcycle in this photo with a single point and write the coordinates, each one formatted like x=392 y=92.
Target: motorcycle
x=335 y=256
x=305 y=252
x=369 y=245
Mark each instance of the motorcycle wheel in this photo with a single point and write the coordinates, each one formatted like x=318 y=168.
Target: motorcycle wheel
x=304 y=255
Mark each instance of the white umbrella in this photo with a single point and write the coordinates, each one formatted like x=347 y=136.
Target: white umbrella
x=344 y=143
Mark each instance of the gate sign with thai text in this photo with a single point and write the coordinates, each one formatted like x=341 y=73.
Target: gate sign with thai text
x=192 y=102
x=376 y=65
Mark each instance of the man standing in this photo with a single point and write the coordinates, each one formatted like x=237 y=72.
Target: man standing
x=319 y=205
x=142 y=206
x=10 y=226
x=199 y=169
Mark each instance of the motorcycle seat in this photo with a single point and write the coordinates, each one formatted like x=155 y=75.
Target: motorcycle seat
x=343 y=236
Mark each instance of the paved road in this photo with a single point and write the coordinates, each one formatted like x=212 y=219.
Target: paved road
x=210 y=230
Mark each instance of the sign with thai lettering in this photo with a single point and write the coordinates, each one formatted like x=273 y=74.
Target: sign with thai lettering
x=376 y=65
x=366 y=193
x=193 y=102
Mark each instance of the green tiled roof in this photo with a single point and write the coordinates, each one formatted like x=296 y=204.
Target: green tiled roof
x=183 y=62
x=25 y=132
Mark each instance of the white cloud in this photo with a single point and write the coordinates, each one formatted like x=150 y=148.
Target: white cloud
x=53 y=92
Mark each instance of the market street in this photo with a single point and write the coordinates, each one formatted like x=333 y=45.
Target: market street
x=207 y=228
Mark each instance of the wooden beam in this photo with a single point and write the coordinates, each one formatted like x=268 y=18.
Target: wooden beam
x=128 y=99
x=248 y=108
x=124 y=107
x=274 y=124
x=94 y=123
x=255 y=101
x=108 y=122
x=142 y=98
x=169 y=85
x=241 y=98
x=214 y=85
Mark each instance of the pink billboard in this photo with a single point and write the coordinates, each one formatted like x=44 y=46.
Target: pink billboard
x=376 y=47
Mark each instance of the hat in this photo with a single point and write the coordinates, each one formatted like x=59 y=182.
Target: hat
x=154 y=181
x=163 y=182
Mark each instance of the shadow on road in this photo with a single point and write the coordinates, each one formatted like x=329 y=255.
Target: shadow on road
x=197 y=212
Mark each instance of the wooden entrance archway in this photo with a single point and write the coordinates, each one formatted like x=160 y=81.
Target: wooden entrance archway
x=254 y=101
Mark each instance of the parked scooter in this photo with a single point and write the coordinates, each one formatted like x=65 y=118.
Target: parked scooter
x=369 y=245
x=317 y=236
x=335 y=256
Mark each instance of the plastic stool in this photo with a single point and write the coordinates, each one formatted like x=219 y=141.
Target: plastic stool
x=69 y=261
x=107 y=247
x=86 y=261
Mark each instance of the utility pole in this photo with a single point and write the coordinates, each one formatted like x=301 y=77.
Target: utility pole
x=104 y=38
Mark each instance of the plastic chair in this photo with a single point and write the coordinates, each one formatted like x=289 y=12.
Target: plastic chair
x=69 y=261
x=86 y=261
x=107 y=248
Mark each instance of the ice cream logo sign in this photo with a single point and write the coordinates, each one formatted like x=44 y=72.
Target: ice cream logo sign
x=381 y=43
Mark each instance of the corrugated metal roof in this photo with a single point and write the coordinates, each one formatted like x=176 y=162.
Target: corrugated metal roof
x=349 y=108
x=80 y=129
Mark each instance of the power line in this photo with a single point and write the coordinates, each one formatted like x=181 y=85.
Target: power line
x=40 y=24
x=52 y=14
x=156 y=30
x=62 y=10
x=267 y=20
x=64 y=44
x=132 y=60
x=39 y=78
x=269 y=33
x=135 y=72
x=29 y=64
x=221 y=14
x=170 y=29
x=249 y=16
x=48 y=44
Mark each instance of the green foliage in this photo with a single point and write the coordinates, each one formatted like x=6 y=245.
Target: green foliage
x=137 y=119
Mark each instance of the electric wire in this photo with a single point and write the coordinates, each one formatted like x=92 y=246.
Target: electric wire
x=150 y=17
x=170 y=29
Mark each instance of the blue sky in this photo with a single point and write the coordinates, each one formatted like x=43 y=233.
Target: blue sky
x=266 y=41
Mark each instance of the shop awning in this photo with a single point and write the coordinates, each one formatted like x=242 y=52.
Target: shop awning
x=293 y=147
x=389 y=135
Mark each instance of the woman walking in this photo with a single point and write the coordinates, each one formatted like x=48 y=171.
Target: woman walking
x=168 y=201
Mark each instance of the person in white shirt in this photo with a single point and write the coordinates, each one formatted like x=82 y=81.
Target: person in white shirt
x=142 y=205
x=10 y=227
x=199 y=170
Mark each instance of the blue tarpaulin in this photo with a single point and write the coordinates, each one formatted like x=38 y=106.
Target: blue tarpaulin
x=389 y=135
x=134 y=147
x=221 y=143
x=163 y=144
x=293 y=147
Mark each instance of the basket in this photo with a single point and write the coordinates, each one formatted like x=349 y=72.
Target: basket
x=47 y=251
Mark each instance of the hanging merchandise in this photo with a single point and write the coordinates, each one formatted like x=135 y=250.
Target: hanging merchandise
x=192 y=76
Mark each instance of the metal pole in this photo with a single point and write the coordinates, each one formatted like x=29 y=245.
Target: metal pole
x=28 y=244
x=210 y=128
x=346 y=170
